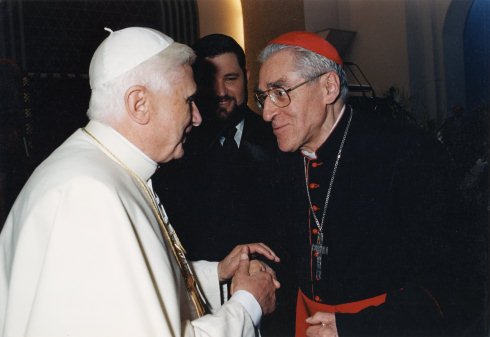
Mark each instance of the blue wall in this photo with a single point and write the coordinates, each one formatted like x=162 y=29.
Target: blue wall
x=477 y=54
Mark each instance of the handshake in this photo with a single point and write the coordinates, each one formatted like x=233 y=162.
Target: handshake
x=251 y=275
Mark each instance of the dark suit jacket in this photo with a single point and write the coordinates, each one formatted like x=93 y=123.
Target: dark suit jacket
x=215 y=202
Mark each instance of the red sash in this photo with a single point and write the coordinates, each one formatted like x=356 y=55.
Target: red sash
x=306 y=308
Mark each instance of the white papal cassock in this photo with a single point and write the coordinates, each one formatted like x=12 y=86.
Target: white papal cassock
x=82 y=254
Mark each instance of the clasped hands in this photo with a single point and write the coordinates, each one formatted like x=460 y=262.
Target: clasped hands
x=253 y=276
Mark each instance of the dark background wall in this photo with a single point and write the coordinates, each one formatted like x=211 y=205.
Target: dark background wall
x=45 y=52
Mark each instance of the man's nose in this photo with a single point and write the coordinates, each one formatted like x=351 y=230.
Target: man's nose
x=196 y=115
x=220 y=87
x=269 y=110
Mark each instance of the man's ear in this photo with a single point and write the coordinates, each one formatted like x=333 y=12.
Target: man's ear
x=137 y=100
x=331 y=82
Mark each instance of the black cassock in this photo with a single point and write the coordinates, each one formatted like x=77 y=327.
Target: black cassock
x=391 y=227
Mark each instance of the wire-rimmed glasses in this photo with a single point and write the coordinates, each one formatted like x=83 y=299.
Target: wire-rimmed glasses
x=279 y=95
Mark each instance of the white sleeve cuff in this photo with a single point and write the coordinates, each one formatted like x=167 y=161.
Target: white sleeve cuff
x=207 y=276
x=248 y=301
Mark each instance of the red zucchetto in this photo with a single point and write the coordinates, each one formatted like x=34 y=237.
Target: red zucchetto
x=310 y=41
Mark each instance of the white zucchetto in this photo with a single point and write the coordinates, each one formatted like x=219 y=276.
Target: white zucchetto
x=123 y=50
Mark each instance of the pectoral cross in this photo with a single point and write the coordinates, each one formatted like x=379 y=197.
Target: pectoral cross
x=318 y=250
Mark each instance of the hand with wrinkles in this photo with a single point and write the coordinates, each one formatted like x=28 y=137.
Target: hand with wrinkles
x=261 y=283
x=229 y=265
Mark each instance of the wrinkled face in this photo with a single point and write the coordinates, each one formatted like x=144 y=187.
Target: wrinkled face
x=229 y=84
x=175 y=114
x=298 y=125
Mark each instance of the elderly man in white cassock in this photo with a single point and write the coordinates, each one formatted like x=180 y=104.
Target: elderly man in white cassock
x=87 y=249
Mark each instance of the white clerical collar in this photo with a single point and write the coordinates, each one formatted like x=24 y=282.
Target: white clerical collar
x=312 y=155
x=238 y=134
x=123 y=149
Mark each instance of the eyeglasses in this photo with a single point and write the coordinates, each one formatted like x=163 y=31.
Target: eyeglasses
x=278 y=95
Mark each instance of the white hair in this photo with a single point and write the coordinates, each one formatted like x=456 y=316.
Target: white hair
x=309 y=64
x=157 y=73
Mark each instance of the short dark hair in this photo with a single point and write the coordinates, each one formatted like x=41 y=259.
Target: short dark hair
x=216 y=44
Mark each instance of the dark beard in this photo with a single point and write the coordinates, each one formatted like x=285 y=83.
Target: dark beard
x=213 y=118
x=232 y=118
x=222 y=114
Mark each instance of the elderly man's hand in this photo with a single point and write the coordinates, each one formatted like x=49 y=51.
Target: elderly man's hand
x=229 y=265
x=322 y=325
x=260 y=266
x=261 y=283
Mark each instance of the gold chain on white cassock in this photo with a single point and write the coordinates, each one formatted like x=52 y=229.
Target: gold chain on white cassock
x=168 y=233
